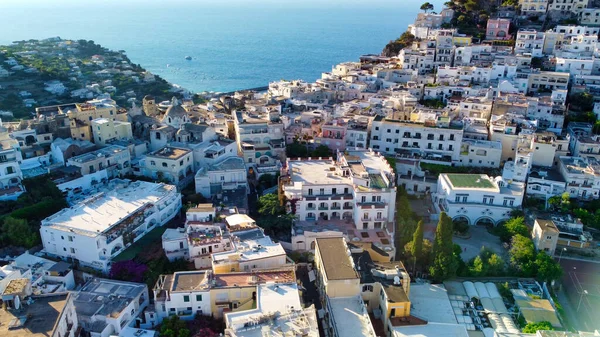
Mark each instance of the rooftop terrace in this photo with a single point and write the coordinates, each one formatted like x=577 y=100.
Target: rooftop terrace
x=470 y=181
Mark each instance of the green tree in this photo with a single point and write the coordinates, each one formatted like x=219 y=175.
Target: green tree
x=495 y=265
x=582 y=102
x=417 y=243
x=547 y=269
x=321 y=151
x=522 y=254
x=444 y=263
x=173 y=326
x=296 y=150
x=513 y=227
x=478 y=267
x=534 y=327
x=18 y=232
x=393 y=48
x=427 y=7
x=269 y=204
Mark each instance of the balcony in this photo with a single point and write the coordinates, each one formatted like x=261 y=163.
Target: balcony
x=308 y=208
x=335 y=208
x=323 y=208
x=347 y=207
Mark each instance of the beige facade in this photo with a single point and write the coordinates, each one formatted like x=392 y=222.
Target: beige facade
x=336 y=276
x=105 y=130
x=170 y=163
x=545 y=236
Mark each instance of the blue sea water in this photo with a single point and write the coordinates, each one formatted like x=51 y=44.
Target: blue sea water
x=235 y=44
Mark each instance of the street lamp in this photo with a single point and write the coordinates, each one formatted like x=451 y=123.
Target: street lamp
x=585 y=292
x=561 y=252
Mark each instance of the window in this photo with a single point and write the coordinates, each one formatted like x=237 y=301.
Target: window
x=379 y=214
x=199 y=298
x=389 y=131
x=548 y=237
x=72 y=250
x=451 y=137
x=457 y=199
x=181 y=163
x=222 y=178
x=333 y=190
x=440 y=146
x=152 y=163
x=373 y=199
x=345 y=190
x=310 y=191
x=464 y=198
x=164 y=164
x=322 y=191
x=70 y=238
x=363 y=199
x=186 y=298
x=366 y=216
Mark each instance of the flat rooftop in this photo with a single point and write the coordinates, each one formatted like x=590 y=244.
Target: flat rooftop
x=105 y=298
x=336 y=261
x=100 y=212
x=431 y=329
x=431 y=303
x=188 y=281
x=278 y=309
x=351 y=317
x=103 y=152
x=37 y=319
x=169 y=152
x=470 y=181
x=252 y=249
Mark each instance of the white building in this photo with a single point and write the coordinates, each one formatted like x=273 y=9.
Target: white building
x=252 y=249
x=529 y=41
x=185 y=294
x=355 y=192
x=543 y=182
x=480 y=153
x=533 y=7
x=107 y=307
x=429 y=137
x=97 y=229
x=228 y=174
x=115 y=159
x=477 y=199
x=260 y=139
x=174 y=164
x=281 y=299
x=582 y=176
x=10 y=170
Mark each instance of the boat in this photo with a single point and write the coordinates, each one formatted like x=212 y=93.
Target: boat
x=188 y=58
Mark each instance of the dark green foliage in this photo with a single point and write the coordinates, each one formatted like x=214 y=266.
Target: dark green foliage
x=417 y=243
x=21 y=219
x=173 y=326
x=534 y=327
x=522 y=254
x=445 y=262
x=487 y=263
x=272 y=217
x=582 y=102
x=512 y=227
x=433 y=103
x=393 y=48
x=298 y=150
x=321 y=151
x=17 y=232
x=546 y=268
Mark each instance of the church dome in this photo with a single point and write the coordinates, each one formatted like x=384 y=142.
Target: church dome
x=175 y=110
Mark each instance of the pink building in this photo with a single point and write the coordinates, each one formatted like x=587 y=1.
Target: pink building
x=333 y=135
x=497 y=29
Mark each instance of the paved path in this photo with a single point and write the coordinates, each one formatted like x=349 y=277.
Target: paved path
x=480 y=237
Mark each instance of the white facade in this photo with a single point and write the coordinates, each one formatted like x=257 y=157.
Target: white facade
x=480 y=153
x=533 y=7
x=97 y=229
x=477 y=198
x=185 y=294
x=10 y=160
x=582 y=176
x=225 y=175
x=171 y=163
x=392 y=137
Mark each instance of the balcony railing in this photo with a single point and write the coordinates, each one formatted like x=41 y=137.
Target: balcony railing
x=323 y=208
x=347 y=207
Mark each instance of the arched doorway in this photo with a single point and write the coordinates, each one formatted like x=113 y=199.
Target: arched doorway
x=335 y=215
x=461 y=224
x=485 y=221
x=323 y=215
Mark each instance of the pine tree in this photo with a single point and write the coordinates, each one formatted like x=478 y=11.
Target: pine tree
x=444 y=263
x=417 y=243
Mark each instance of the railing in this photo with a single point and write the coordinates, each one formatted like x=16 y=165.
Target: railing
x=323 y=208
x=347 y=207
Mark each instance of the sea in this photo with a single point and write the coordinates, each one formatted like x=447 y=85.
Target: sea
x=234 y=44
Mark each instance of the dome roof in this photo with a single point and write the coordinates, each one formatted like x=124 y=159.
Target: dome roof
x=175 y=110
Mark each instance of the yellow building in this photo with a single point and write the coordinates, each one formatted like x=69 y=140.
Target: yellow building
x=81 y=114
x=336 y=275
x=105 y=130
x=461 y=41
